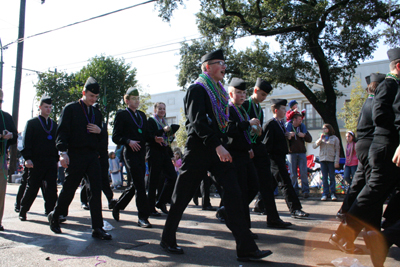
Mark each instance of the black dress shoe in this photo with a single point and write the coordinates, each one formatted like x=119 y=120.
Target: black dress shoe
x=1 y=228
x=115 y=213
x=112 y=203
x=101 y=234
x=253 y=256
x=144 y=223
x=299 y=214
x=62 y=218
x=22 y=217
x=155 y=214
x=162 y=207
x=344 y=245
x=54 y=224
x=340 y=216
x=171 y=249
x=378 y=247
x=17 y=209
x=278 y=224
x=210 y=208
x=85 y=206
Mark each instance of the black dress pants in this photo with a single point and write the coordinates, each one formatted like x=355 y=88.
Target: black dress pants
x=282 y=179
x=105 y=183
x=42 y=175
x=366 y=210
x=22 y=187
x=361 y=176
x=266 y=200
x=160 y=162
x=136 y=168
x=199 y=159
x=248 y=180
x=84 y=165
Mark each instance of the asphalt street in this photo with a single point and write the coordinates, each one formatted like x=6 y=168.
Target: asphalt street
x=205 y=240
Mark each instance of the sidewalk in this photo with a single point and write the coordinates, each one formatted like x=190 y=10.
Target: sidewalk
x=206 y=242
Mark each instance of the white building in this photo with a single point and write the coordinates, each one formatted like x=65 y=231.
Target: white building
x=313 y=121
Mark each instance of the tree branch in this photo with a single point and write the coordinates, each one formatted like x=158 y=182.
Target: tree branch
x=236 y=14
x=321 y=24
x=259 y=13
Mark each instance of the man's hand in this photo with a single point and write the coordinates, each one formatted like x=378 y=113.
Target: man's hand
x=64 y=160
x=396 y=157
x=8 y=135
x=254 y=121
x=134 y=145
x=223 y=154
x=159 y=140
x=29 y=163
x=337 y=165
x=251 y=153
x=93 y=128
x=167 y=128
x=300 y=134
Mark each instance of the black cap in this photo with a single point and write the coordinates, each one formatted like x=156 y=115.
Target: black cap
x=278 y=101
x=368 y=79
x=393 y=54
x=238 y=83
x=218 y=54
x=377 y=77
x=132 y=91
x=45 y=99
x=92 y=86
x=263 y=85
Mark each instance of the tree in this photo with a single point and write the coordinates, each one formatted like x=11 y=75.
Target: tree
x=114 y=77
x=320 y=41
x=181 y=134
x=351 y=109
x=61 y=87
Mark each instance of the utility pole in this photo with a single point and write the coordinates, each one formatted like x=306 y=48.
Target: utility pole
x=17 y=87
x=1 y=65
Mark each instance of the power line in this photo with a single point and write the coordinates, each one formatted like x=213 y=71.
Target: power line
x=78 y=22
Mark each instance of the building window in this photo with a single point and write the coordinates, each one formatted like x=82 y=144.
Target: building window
x=171 y=120
x=312 y=119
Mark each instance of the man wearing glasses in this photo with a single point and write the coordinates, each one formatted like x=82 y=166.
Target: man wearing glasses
x=207 y=113
x=8 y=136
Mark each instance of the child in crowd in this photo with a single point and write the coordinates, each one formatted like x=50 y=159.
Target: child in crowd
x=114 y=170
x=290 y=113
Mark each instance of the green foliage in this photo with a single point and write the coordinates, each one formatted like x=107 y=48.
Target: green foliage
x=351 y=110
x=181 y=134
x=61 y=87
x=114 y=77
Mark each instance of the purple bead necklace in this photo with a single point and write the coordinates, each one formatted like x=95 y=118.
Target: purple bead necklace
x=141 y=121
x=86 y=115
x=242 y=118
x=49 y=137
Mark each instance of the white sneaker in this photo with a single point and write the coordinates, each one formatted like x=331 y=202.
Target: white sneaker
x=333 y=197
x=324 y=198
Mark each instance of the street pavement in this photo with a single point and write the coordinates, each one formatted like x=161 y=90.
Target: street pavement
x=205 y=240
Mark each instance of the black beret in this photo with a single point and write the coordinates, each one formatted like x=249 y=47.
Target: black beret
x=393 y=54
x=45 y=99
x=238 y=83
x=263 y=85
x=368 y=79
x=218 y=54
x=132 y=91
x=92 y=86
x=377 y=77
x=278 y=101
